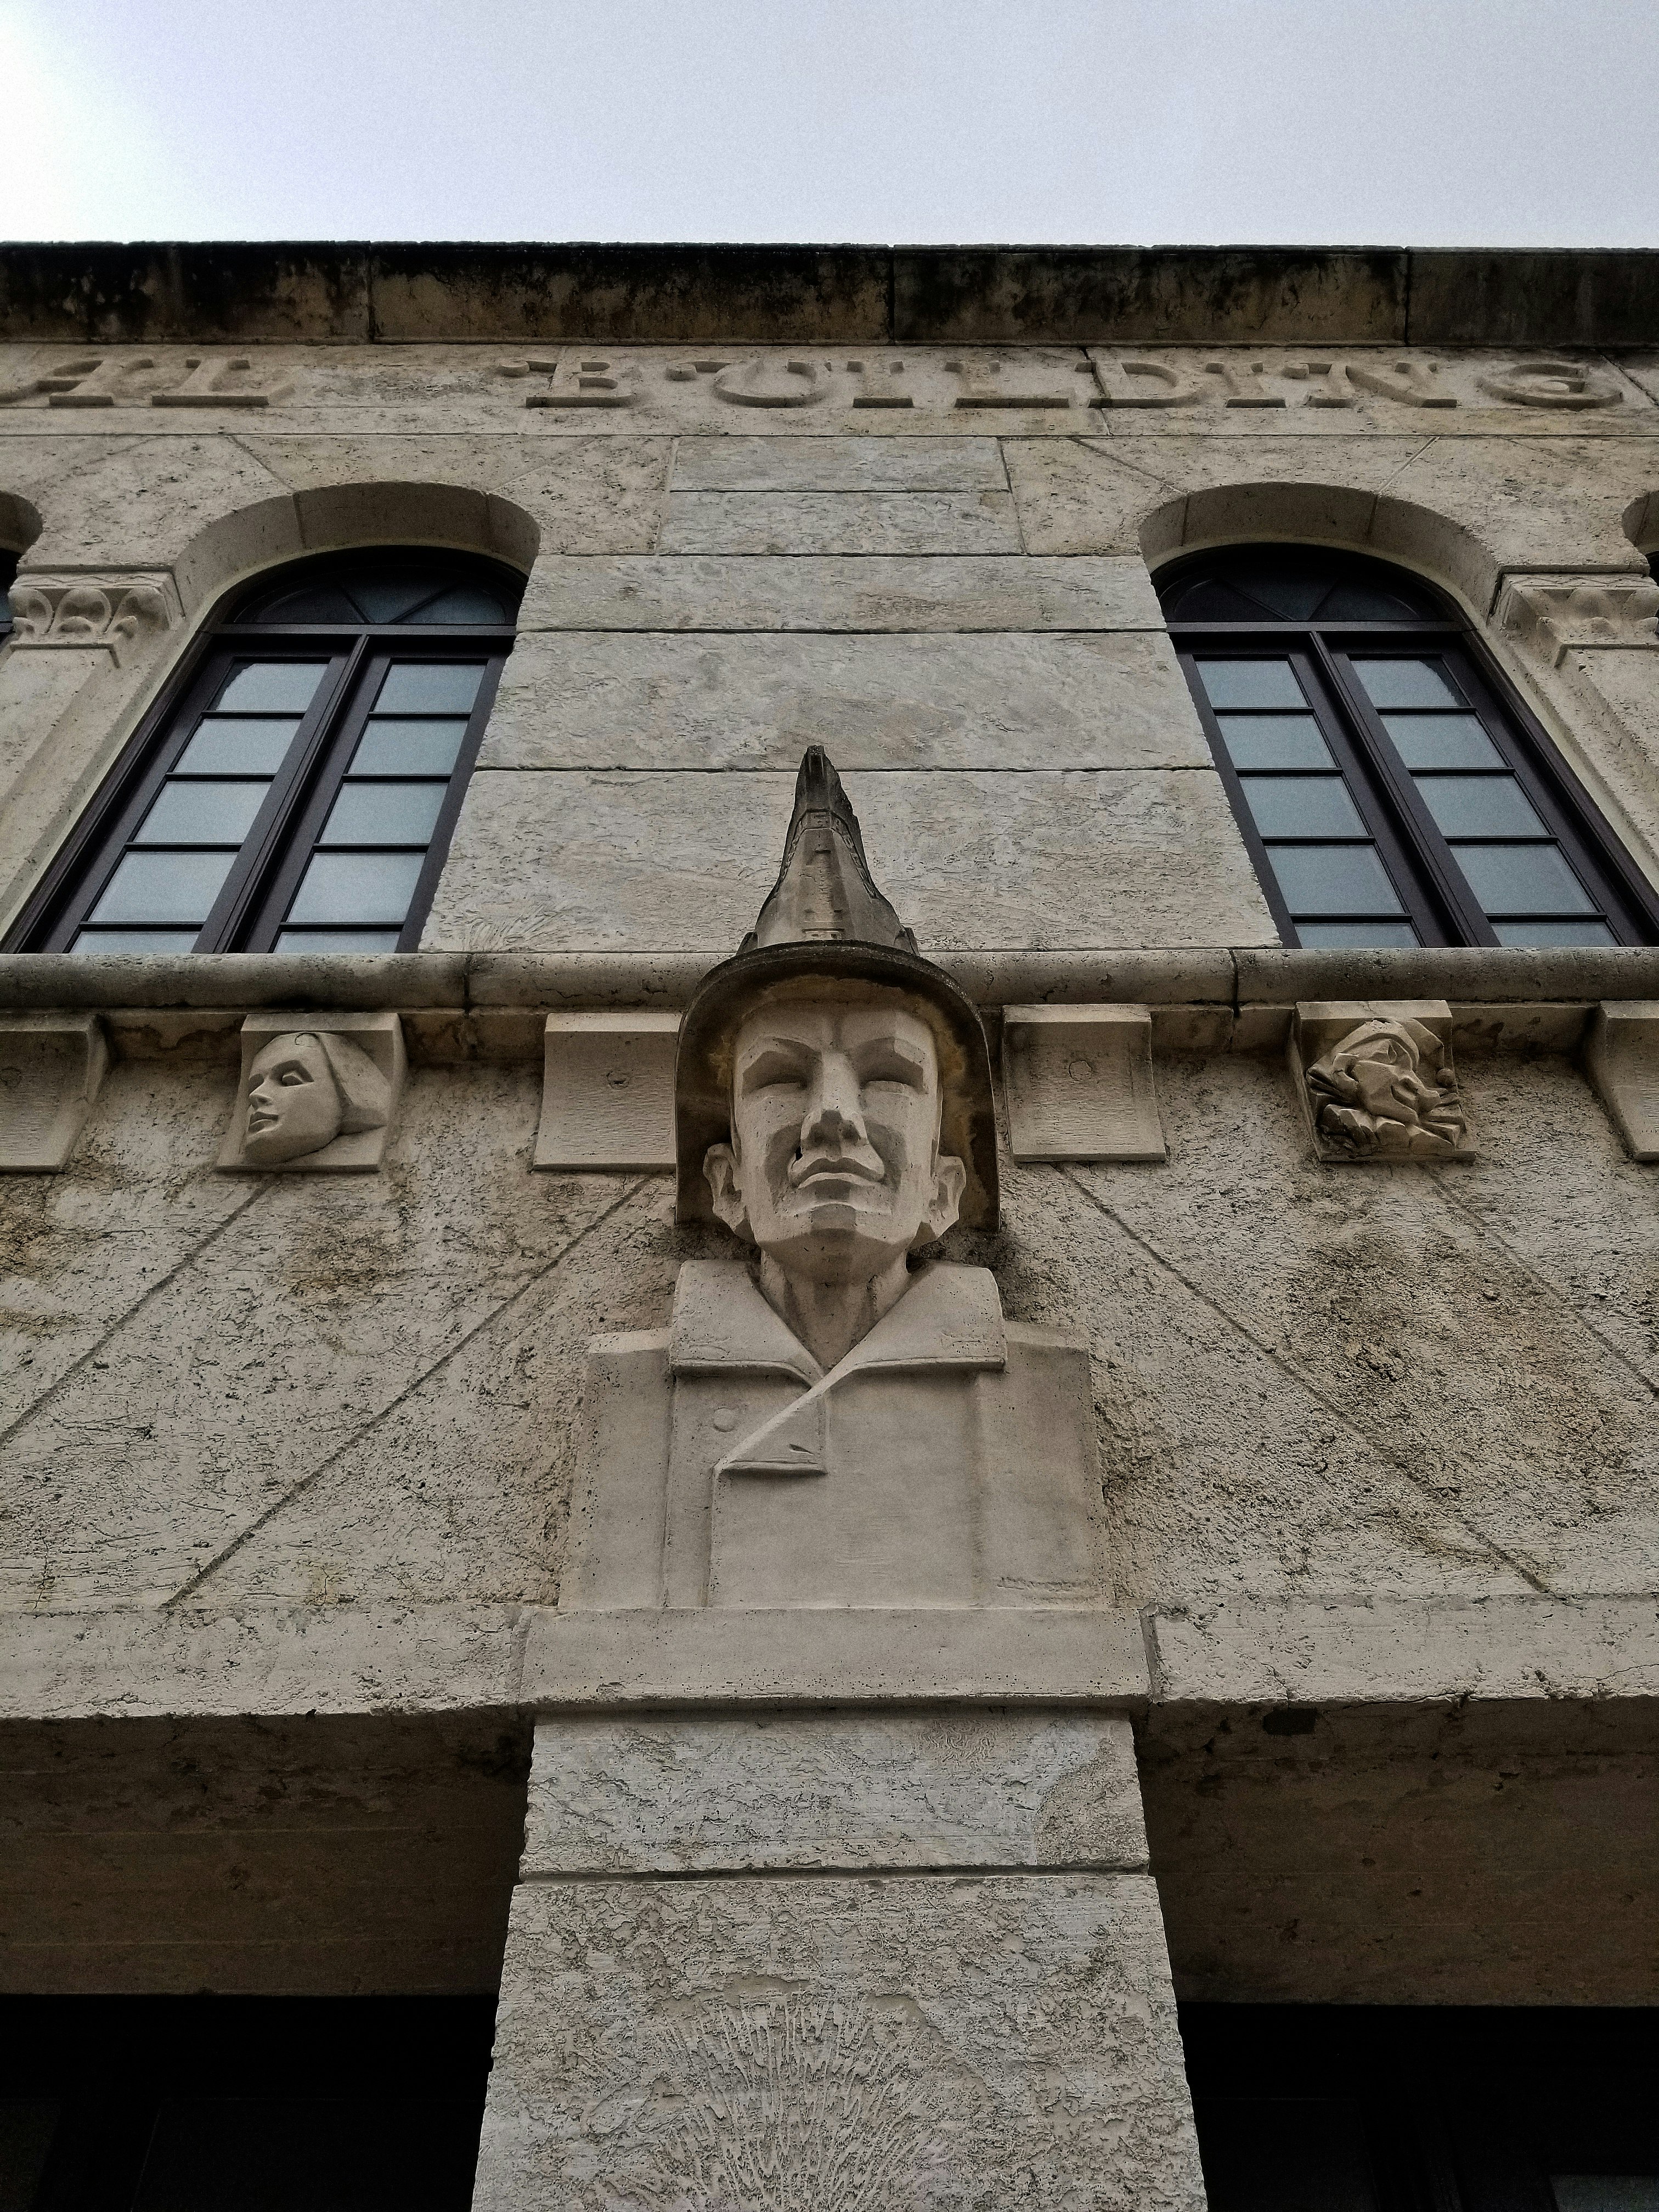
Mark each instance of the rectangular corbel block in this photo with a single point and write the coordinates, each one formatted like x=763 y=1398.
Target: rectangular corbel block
x=1079 y=1083
x=608 y=1090
x=51 y=1067
x=1376 y=1081
x=1622 y=1055
x=334 y=1092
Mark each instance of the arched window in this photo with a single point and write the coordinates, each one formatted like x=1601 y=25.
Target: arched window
x=1391 y=788
x=295 y=790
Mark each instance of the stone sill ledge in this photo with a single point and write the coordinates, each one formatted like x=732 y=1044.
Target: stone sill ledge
x=490 y=1005
x=294 y=1659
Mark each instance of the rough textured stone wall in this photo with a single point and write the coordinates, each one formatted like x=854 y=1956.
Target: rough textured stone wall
x=1382 y=1380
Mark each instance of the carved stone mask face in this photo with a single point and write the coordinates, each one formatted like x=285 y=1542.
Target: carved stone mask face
x=294 y=1103
x=834 y=1163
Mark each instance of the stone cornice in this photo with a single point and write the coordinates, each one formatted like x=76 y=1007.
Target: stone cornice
x=109 y=294
x=1267 y=977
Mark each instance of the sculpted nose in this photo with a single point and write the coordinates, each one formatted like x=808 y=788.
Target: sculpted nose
x=833 y=1111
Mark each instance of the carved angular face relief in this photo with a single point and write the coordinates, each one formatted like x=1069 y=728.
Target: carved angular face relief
x=1370 y=1094
x=294 y=1103
x=833 y=1169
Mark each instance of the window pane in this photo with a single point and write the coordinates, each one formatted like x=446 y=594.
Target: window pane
x=322 y=605
x=1479 y=806
x=1522 y=879
x=202 y=814
x=1302 y=806
x=389 y=600
x=1553 y=933
x=1408 y=683
x=357 y=887
x=224 y=746
x=391 y=748
x=176 y=887
x=1442 y=741
x=1252 y=684
x=1274 y=741
x=136 y=940
x=1334 y=879
x=430 y=687
x=338 y=940
x=272 y=687
x=465 y=604
x=384 y=814
x=1368 y=933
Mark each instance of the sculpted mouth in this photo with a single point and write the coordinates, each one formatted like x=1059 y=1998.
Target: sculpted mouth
x=836 y=1170
x=261 y=1118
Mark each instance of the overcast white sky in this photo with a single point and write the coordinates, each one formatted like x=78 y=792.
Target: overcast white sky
x=1397 y=122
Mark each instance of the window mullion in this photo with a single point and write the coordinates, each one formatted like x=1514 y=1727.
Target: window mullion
x=1368 y=738
x=242 y=894
x=313 y=797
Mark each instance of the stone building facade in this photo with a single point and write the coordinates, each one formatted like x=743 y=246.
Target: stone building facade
x=328 y=1681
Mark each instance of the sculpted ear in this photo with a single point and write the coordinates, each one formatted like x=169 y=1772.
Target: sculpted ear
x=950 y=1180
x=719 y=1167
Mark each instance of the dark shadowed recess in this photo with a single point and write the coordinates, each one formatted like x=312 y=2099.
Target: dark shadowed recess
x=99 y=293
x=268 y=2104
x=1358 y=2108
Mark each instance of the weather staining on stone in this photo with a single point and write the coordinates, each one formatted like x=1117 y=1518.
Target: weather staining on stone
x=1387 y=1091
x=316 y=1097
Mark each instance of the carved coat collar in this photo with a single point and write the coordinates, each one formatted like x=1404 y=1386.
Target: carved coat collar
x=950 y=1316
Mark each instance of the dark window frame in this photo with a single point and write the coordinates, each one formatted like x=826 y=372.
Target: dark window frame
x=249 y=909
x=1415 y=855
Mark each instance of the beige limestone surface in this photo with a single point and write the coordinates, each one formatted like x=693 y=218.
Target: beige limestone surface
x=670 y=859
x=1008 y=701
x=971 y=2038
x=688 y=1793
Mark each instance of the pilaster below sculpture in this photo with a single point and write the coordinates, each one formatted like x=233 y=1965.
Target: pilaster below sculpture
x=1377 y=1080
x=50 y=1068
x=1622 y=1055
x=317 y=1093
x=840 y=1423
x=1079 y=1083
x=608 y=1090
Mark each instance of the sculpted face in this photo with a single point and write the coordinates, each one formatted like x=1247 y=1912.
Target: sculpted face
x=833 y=1169
x=294 y=1102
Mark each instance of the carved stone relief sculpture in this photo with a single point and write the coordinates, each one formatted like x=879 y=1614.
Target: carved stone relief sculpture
x=50 y=1068
x=1377 y=1081
x=120 y=613
x=836 y=1420
x=317 y=1092
x=1557 y=615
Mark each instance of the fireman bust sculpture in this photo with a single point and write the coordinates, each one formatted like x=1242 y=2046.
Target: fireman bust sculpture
x=826 y=1422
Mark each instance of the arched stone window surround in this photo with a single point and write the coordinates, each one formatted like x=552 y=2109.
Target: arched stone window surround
x=69 y=764
x=334 y=798
x=1410 y=797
